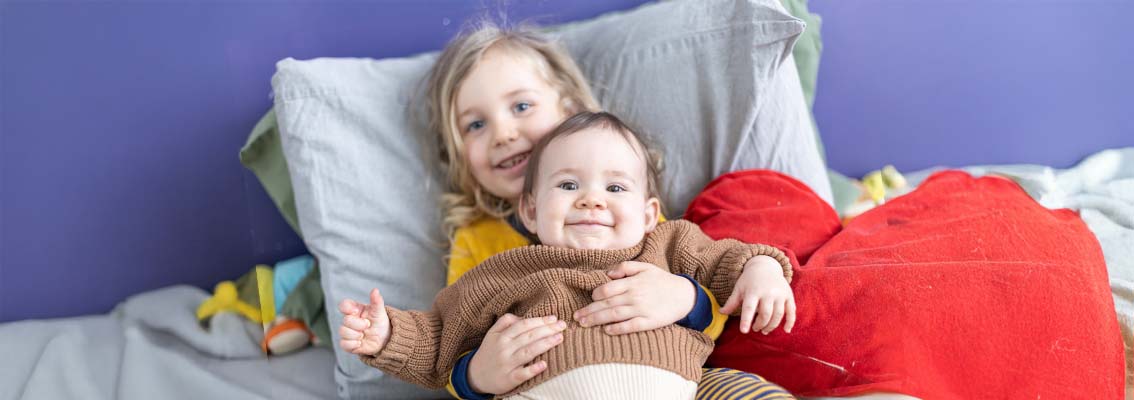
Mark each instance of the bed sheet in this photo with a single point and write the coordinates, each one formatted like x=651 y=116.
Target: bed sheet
x=150 y=346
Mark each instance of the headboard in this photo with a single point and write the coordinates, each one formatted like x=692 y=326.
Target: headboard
x=120 y=121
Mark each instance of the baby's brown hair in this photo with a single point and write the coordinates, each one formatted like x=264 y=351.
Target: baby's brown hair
x=600 y=120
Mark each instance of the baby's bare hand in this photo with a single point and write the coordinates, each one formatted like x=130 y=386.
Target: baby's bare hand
x=763 y=293
x=365 y=328
x=641 y=297
x=504 y=359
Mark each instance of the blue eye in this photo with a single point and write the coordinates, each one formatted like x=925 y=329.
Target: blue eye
x=522 y=106
x=474 y=126
x=615 y=188
x=568 y=186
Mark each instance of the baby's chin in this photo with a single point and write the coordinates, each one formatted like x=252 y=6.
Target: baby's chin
x=591 y=243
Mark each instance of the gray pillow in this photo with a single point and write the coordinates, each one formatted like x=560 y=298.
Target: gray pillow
x=712 y=82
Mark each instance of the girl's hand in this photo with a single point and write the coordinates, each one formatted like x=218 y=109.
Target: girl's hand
x=641 y=297
x=502 y=362
x=366 y=328
x=762 y=291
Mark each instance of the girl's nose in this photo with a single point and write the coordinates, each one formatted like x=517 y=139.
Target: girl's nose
x=503 y=133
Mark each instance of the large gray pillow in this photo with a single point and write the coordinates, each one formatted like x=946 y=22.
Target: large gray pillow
x=712 y=82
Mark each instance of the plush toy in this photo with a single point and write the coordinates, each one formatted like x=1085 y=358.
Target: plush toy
x=250 y=296
x=874 y=186
x=286 y=301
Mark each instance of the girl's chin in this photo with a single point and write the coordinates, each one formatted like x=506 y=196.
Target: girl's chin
x=509 y=191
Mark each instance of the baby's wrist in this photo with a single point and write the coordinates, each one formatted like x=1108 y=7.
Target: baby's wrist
x=762 y=261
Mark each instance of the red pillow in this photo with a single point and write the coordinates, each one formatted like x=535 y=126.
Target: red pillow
x=965 y=288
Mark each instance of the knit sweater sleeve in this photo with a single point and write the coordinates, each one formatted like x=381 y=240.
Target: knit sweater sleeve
x=425 y=345
x=716 y=263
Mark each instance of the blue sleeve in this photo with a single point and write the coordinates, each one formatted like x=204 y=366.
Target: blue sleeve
x=460 y=379
x=701 y=315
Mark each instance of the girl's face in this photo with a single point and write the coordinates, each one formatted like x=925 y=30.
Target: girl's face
x=503 y=108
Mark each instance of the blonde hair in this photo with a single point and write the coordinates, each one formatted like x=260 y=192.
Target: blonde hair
x=466 y=200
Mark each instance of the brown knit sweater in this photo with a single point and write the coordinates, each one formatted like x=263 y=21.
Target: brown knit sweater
x=537 y=280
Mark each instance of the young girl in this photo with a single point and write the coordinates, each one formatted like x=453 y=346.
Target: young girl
x=493 y=94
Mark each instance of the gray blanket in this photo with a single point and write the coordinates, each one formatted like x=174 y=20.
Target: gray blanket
x=149 y=347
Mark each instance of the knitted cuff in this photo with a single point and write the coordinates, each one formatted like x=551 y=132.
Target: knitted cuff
x=701 y=315
x=399 y=348
x=729 y=270
x=459 y=379
x=732 y=265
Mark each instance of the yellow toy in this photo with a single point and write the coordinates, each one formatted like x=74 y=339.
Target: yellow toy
x=293 y=286
x=875 y=186
x=250 y=296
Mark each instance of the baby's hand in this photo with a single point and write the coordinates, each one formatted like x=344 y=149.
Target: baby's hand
x=640 y=297
x=504 y=360
x=366 y=328
x=763 y=291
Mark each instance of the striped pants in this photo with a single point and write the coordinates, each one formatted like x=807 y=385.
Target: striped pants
x=727 y=383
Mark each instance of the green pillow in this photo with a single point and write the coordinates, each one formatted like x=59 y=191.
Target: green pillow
x=806 y=53
x=263 y=155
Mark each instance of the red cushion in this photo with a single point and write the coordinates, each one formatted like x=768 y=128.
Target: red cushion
x=772 y=209
x=965 y=288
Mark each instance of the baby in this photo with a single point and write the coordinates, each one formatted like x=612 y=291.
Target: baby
x=590 y=196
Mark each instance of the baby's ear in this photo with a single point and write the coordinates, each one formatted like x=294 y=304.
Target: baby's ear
x=527 y=212
x=653 y=213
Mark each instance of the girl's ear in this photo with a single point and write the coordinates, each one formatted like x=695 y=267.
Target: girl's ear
x=653 y=213
x=527 y=212
x=569 y=106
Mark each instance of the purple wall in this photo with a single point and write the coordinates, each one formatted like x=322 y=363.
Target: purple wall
x=120 y=121
x=924 y=83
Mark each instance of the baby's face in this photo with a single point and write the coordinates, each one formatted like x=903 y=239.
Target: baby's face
x=591 y=193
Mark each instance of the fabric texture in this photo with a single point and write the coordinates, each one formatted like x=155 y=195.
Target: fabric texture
x=807 y=52
x=286 y=276
x=1101 y=190
x=731 y=98
x=366 y=183
x=731 y=384
x=964 y=288
x=262 y=153
x=538 y=280
x=614 y=382
x=305 y=303
x=477 y=242
x=366 y=191
x=150 y=346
